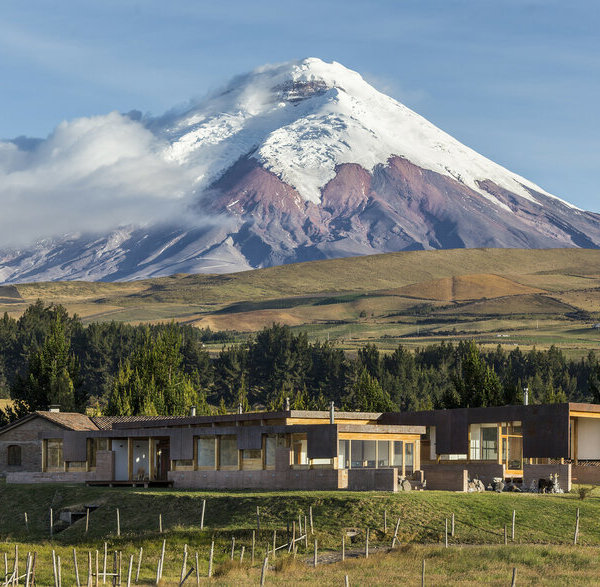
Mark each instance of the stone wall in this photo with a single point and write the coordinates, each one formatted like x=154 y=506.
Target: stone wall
x=486 y=472
x=373 y=479
x=27 y=436
x=585 y=475
x=537 y=472
x=312 y=479
x=55 y=477
x=446 y=477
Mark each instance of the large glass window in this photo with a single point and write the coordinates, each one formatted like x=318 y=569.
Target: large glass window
x=383 y=453
x=398 y=453
x=364 y=453
x=489 y=443
x=409 y=452
x=206 y=453
x=228 y=451
x=54 y=454
x=344 y=454
x=275 y=441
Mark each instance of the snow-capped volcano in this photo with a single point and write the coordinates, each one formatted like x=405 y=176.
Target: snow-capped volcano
x=306 y=160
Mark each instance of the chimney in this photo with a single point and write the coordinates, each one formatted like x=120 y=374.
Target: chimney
x=240 y=409
x=54 y=408
x=287 y=404
x=526 y=396
x=192 y=411
x=331 y=413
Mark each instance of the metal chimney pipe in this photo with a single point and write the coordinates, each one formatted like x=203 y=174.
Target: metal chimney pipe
x=192 y=410
x=331 y=413
x=526 y=396
x=240 y=409
x=287 y=404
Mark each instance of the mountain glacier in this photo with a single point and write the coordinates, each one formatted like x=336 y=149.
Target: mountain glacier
x=303 y=161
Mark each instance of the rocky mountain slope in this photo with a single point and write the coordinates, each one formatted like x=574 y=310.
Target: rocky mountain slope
x=306 y=161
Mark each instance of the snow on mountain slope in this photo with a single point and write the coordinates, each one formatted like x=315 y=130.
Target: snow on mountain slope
x=302 y=119
x=291 y=162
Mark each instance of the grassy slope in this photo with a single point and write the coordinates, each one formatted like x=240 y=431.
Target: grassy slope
x=480 y=518
x=468 y=293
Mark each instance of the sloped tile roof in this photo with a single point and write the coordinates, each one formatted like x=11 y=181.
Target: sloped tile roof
x=70 y=420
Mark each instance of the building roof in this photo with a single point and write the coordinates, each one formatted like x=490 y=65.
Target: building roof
x=107 y=422
x=67 y=420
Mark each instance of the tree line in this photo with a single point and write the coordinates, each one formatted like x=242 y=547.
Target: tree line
x=49 y=357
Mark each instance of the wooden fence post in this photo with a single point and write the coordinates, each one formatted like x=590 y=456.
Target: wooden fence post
x=51 y=522
x=77 y=582
x=367 y=544
x=576 y=528
x=104 y=565
x=312 y=530
x=202 y=516
x=183 y=564
x=118 y=523
x=129 y=571
x=210 y=560
x=274 y=543
x=446 y=538
x=512 y=534
x=87 y=519
x=197 y=570
x=232 y=546
x=396 y=533
x=385 y=521
x=139 y=565
x=258 y=520
x=253 y=545
x=343 y=546
x=514 y=577
x=452 y=528
x=316 y=557
x=423 y=574
x=505 y=536
x=263 y=571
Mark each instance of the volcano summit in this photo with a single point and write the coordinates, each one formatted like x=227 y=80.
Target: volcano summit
x=297 y=162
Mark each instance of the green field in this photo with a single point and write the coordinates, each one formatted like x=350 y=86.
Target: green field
x=509 y=296
x=542 y=550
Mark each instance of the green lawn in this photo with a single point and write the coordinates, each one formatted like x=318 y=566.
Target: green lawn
x=544 y=530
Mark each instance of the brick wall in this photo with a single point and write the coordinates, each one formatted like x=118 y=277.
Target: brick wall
x=27 y=436
x=59 y=477
x=312 y=479
x=585 y=475
x=537 y=472
x=446 y=477
x=373 y=479
x=486 y=472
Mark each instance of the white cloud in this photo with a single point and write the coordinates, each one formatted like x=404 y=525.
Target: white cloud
x=89 y=175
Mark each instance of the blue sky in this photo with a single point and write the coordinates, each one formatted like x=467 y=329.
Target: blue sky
x=517 y=80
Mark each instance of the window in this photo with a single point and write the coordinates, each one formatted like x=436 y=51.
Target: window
x=93 y=446
x=363 y=453
x=344 y=454
x=14 y=455
x=54 y=454
x=206 y=453
x=489 y=444
x=275 y=441
x=398 y=453
x=228 y=452
x=383 y=453
x=409 y=452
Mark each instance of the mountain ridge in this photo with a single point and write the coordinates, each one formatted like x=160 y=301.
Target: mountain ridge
x=303 y=161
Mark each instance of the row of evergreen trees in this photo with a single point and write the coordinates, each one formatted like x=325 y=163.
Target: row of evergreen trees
x=47 y=357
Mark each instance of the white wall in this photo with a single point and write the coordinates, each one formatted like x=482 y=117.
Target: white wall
x=140 y=458
x=588 y=438
x=119 y=447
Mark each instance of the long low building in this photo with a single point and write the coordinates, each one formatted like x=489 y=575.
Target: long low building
x=294 y=449
x=291 y=449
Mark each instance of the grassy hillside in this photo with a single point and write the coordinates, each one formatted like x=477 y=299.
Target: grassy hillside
x=544 y=529
x=525 y=297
